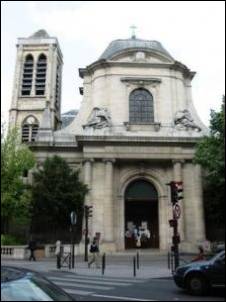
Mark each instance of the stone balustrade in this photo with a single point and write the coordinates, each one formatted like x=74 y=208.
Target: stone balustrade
x=14 y=252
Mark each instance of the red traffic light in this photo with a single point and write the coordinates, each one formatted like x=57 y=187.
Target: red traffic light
x=88 y=211
x=176 y=188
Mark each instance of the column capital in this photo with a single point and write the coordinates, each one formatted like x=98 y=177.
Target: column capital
x=178 y=161
x=90 y=160
x=109 y=160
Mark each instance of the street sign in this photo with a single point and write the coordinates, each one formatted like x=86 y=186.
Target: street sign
x=73 y=218
x=176 y=211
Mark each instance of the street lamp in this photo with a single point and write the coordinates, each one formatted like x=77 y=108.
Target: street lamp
x=73 y=218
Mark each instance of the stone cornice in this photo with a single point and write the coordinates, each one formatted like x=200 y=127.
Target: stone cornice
x=137 y=139
x=104 y=64
x=140 y=80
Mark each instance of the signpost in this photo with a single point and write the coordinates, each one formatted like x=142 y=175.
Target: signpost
x=73 y=218
x=88 y=214
x=176 y=188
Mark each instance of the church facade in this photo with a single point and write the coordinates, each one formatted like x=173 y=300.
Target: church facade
x=136 y=131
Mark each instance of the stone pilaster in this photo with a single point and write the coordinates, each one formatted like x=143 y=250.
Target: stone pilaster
x=108 y=202
x=198 y=204
x=194 y=213
x=88 y=181
x=178 y=176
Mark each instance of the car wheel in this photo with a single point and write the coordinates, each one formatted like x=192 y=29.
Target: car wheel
x=196 y=285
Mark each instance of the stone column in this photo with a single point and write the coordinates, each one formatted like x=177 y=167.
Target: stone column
x=88 y=181
x=108 y=202
x=198 y=204
x=194 y=214
x=177 y=176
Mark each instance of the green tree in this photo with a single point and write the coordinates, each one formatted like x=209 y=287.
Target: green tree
x=15 y=159
x=56 y=192
x=210 y=154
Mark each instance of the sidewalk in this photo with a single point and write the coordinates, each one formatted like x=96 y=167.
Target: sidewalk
x=151 y=266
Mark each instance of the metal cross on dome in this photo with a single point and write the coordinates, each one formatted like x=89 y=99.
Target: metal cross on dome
x=133 y=28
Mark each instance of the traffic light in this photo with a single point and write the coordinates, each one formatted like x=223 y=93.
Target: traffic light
x=176 y=191
x=88 y=211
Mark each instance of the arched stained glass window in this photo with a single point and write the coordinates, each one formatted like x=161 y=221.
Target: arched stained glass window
x=141 y=109
x=40 y=80
x=27 y=75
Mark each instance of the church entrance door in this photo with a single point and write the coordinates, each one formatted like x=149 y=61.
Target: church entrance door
x=141 y=215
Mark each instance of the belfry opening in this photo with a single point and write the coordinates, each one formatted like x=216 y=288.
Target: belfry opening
x=141 y=215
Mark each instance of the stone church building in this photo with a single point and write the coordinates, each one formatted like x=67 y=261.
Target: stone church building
x=136 y=131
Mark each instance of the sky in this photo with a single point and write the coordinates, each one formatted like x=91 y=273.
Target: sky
x=193 y=32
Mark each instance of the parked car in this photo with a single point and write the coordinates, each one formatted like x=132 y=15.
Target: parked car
x=19 y=284
x=198 y=277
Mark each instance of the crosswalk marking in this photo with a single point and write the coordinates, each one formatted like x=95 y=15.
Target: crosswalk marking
x=122 y=298
x=105 y=278
x=80 y=280
x=77 y=292
x=77 y=284
x=70 y=284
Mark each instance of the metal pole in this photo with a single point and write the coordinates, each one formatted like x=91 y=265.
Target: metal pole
x=134 y=266
x=171 y=258
x=86 y=236
x=168 y=260
x=69 y=263
x=176 y=246
x=103 y=263
x=138 y=260
x=73 y=248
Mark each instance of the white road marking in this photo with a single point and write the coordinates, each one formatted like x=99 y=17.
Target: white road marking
x=80 y=280
x=122 y=298
x=61 y=284
x=77 y=292
x=98 y=278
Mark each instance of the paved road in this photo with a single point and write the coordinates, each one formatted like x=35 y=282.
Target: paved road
x=97 y=288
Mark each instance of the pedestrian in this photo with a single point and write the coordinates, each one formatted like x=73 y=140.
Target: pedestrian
x=94 y=250
x=58 y=253
x=138 y=239
x=32 y=247
x=200 y=255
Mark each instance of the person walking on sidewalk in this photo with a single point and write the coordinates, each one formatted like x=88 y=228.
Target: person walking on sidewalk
x=200 y=255
x=94 y=250
x=58 y=253
x=32 y=247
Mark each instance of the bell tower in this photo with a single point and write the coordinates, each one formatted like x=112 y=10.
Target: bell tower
x=37 y=83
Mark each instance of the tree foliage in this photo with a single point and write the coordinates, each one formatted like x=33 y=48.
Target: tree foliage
x=210 y=154
x=56 y=192
x=15 y=159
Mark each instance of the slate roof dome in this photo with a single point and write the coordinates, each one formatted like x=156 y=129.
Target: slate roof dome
x=40 y=34
x=122 y=45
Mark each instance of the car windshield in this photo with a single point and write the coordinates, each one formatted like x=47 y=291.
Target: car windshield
x=219 y=256
x=31 y=289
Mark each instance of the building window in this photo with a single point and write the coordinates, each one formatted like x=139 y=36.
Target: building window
x=58 y=88
x=27 y=75
x=141 y=109
x=29 y=129
x=40 y=80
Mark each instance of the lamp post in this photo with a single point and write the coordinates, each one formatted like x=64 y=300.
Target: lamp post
x=73 y=218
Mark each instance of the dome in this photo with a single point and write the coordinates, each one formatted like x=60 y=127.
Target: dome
x=119 y=46
x=40 y=34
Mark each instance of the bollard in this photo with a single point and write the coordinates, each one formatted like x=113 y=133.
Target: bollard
x=172 y=262
x=134 y=266
x=69 y=262
x=103 y=263
x=138 y=260
x=168 y=258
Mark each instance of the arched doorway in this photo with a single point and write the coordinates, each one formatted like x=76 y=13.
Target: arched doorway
x=141 y=214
